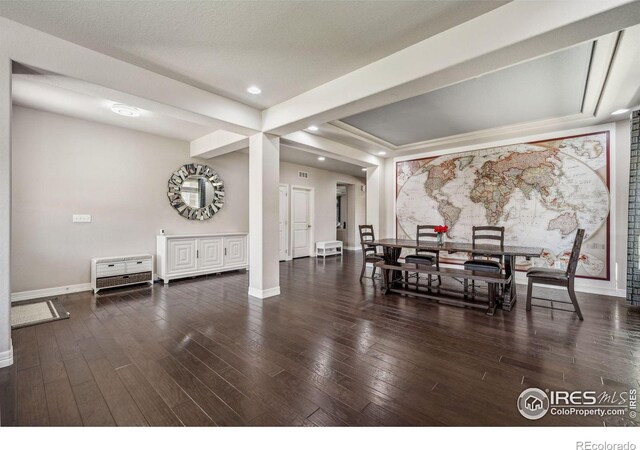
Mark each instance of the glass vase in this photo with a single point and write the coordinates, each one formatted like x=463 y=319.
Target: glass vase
x=440 y=237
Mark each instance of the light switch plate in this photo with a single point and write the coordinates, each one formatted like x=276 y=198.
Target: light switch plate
x=81 y=218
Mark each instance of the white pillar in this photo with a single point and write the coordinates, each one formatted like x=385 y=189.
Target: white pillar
x=374 y=185
x=264 y=197
x=6 y=349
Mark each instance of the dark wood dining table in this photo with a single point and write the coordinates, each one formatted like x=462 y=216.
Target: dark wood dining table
x=393 y=247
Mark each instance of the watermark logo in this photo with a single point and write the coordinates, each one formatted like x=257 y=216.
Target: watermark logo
x=533 y=403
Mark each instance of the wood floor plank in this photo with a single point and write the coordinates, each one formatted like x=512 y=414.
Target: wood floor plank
x=92 y=406
x=155 y=410
x=61 y=404
x=215 y=408
x=123 y=408
x=31 y=398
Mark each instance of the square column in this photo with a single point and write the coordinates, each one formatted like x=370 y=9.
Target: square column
x=6 y=349
x=374 y=186
x=264 y=198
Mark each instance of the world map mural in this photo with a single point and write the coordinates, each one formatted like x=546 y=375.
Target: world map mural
x=541 y=192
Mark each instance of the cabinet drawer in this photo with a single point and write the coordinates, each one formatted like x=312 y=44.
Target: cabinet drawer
x=138 y=266
x=109 y=269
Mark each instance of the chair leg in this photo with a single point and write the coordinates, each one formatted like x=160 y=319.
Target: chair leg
x=364 y=266
x=406 y=277
x=574 y=299
x=529 y=294
x=466 y=285
x=373 y=274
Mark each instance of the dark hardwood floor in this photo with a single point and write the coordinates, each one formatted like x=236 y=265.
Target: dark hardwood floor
x=328 y=351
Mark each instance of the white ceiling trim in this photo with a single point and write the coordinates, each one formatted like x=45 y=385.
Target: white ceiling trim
x=601 y=66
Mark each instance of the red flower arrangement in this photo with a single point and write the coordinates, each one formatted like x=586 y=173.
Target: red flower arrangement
x=440 y=229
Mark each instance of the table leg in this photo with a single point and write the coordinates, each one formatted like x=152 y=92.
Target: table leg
x=492 y=288
x=391 y=256
x=510 y=295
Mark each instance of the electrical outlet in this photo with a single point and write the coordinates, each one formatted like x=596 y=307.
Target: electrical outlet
x=82 y=218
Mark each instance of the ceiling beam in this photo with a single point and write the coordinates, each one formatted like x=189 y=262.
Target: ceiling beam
x=511 y=34
x=43 y=51
x=218 y=143
x=326 y=147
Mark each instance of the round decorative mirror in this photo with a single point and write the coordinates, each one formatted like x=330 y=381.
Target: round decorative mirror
x=196 y=191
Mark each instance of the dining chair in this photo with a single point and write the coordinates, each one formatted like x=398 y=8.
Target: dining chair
x=558 y=277
x=424 y=233
x=481 y=262
x=369 y=252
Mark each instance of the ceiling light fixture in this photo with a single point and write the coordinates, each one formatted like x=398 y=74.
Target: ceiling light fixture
x=619 y=111
x=321 y=158
x=382 y=152
x=125 y=110
x=255 y=90
x=364 y=169
x=312 y=128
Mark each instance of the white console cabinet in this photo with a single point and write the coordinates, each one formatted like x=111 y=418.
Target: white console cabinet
x=180 y=256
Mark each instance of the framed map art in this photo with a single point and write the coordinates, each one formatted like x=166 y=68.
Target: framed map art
x=541 y=192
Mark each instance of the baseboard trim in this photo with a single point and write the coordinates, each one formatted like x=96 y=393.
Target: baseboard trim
x=609 y=292
x=6 y=358
x=264 y=293
x=50 y=292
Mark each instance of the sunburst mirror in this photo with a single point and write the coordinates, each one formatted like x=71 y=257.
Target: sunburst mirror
x=196 y=191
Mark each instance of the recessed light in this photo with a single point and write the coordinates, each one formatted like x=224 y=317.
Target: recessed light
x=321 y=158
x=255 y=90
x=312 y=128
x=125 y=110
x=619 y=111
x=382 y=152
x=364 y=169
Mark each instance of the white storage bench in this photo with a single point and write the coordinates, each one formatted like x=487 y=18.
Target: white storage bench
x=328 y=248
x=121 y=271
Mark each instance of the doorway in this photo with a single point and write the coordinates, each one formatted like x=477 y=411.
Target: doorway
x=342 y=213
x=283 y=220
x=302 y=221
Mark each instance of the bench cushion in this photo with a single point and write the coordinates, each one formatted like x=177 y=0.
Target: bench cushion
x=427 y=260
x=544 y=272
x=483 y=265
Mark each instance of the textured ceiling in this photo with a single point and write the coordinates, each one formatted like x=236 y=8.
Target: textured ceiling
x=548 y=87
x=285 y=47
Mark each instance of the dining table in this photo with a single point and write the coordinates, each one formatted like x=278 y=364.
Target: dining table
x=392 y=248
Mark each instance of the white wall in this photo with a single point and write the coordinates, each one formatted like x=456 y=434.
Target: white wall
x=63 y=166
x=619 y=188
x=324 y=184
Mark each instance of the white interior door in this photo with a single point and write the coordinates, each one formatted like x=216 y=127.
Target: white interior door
x=284 y=222
x=301 y=222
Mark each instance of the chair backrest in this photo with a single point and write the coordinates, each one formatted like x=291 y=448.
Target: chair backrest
x=425 y=233
x=366 y=237
x=575 y=253
x=488 y=235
